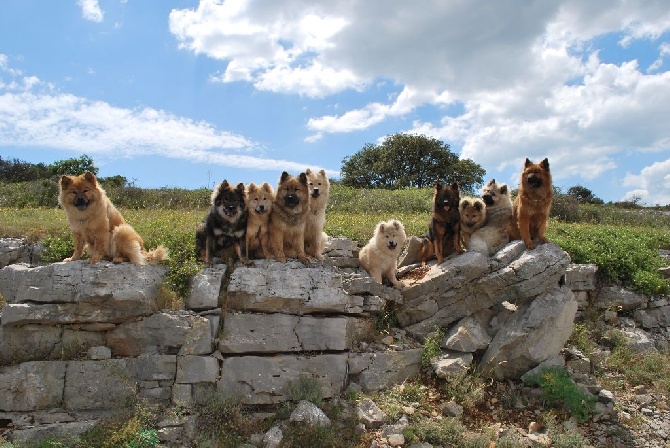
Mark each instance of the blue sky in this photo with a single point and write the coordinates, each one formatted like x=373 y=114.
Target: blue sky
x=187 y=93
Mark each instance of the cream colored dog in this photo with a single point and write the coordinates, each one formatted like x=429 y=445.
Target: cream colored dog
x=494 y=235
x=315 y=238
x=380 y=256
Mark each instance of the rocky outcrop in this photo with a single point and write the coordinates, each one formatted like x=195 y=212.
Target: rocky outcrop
x=89 y=337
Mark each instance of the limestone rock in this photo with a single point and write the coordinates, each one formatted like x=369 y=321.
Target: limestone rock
x=164 y=333
x=581 y=277
x=98 y=385
x=290 y=287
x=308 y=412
x=370 y=414
x=375 y=371
x=28 y=343
x=206 y=287
x=471 y=282
x=273 y=333
x=32 y=386
x=451 y=364
x=78 y=292
x=536 y=332
x=263 y=380
x=617 y=297
x=468 y=335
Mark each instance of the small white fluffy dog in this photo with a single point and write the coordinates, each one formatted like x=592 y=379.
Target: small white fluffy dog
x=380 y=256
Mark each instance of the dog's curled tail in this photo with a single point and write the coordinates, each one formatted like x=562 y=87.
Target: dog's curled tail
x=156 y=255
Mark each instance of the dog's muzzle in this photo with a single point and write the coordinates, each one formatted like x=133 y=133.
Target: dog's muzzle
x=488 y=199
x=230 y=210
x=315 y=193
x=392 y=245
x=260 y=209
x=81 y=203
x=291 y=200
x=534 y=181
x=446 y=206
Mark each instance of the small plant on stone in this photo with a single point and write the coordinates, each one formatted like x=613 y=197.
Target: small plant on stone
x=221 y=422
x=582 y=338
x=2 y=302
x=559 y=389
x=431 y=346
x=304 y=388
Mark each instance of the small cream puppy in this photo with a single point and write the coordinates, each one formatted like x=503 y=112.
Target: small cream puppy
x=380 y=256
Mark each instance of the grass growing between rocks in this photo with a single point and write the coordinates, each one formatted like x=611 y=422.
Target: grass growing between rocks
x=560 y=390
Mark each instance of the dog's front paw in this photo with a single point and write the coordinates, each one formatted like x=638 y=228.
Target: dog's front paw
x=530 y=244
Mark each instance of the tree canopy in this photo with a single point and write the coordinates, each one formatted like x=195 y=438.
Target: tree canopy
x=20 y=171
x=583 y=195
x=409 y=160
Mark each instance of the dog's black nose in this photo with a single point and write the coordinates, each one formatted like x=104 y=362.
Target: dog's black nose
x=488 y=199
x=315 y=193
x=261 y=208
x=291 y=200
x=392 y=244
x=230 y=207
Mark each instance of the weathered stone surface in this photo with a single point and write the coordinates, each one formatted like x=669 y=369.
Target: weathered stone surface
x=152 y=368
x=164 y=333
x=370 y=414
x=340 y=247
x=411 y=253
x=661 y=315
x=32 y=386
x=468 y=335
x=365 y=285
x=471 y=282
x=617 y=297
x=581 y=277
x=197 y=369
x=308 y=412
x=19 y=250
x=98 y=385
x=638 y=339
x=27 y=343
x=375 y=371
x=43 y=432
x=277 y=333
x=78 y=292
x=205 y=288
x=451 y=364
x=536 y=332
x=263 y=380
x=290 y=287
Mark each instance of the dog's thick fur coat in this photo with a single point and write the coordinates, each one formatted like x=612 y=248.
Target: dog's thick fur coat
x=289 y=217
x=533 y=204
x=473 y=217
x=319 y=189
x=259 y=206
x=98 y=226
x=380 y=256
x=225 y=226
x=444 y=230
x=493 y=236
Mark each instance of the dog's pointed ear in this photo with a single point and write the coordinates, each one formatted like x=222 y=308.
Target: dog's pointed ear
x=491 y=182
x=396 y=224
x=528 y=163
x=465 y=203
x=303 y=178
x=478 y=206
x=90 y=177
x=283 y=177
x=308 y=171
x=252 y=187
x=438 y=185
x=503 y=189
x=381 y=226
x=455 y=186
x=545 y=164
x=267 y=187
x=323 y=173
x=240 y=188
x=65 y=181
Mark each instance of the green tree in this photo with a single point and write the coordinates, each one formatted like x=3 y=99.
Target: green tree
x=73 y=167
x=408 y=160
x=583 y=195
x=19 y=171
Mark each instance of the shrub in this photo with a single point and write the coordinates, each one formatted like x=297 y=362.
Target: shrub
x=221 y=422
x=559 y=389
x=304 y=388
x=431 y=346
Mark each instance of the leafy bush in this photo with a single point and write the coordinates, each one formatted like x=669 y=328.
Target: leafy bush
x=431 y=346
x=559 y=389
x=623 y=254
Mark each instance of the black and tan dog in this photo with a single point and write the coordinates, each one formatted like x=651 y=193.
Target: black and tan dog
x=444 y=236
x=224 y=226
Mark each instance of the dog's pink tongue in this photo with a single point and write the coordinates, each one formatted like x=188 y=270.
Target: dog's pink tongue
x=446 y=208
